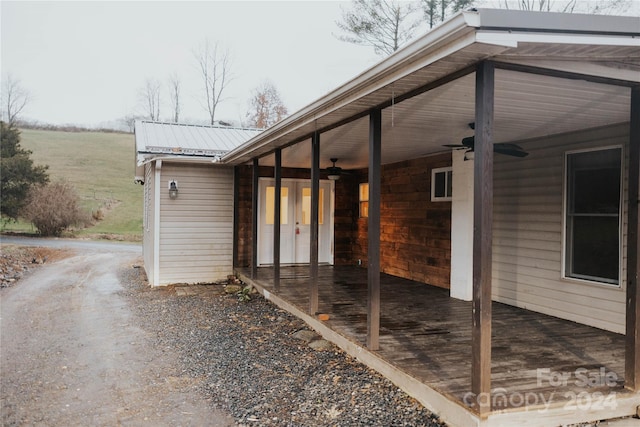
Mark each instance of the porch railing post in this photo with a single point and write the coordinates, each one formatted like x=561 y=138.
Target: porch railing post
x=277 y=175
x=482 y=237
x=373 y=230
x=313 y=248
x=632 y=348
x=254 y=219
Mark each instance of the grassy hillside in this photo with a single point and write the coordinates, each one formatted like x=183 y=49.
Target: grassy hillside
x=101 y=167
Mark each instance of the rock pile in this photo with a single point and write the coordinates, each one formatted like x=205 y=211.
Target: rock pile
x=16 y=261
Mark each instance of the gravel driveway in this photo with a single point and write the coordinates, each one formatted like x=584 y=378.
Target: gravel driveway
x=85 y=341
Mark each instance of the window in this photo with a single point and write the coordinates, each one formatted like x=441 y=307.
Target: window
x=271 y=203
x=441 y=184
x=592 y=221
x=364 y=200
x=306 y=206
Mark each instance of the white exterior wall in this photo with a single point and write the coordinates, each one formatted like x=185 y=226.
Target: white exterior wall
x=528 y=234
x=196 y=228
x=461 y=227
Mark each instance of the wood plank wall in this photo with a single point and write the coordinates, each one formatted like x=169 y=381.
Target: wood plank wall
x=415 y=235
x=415 y=232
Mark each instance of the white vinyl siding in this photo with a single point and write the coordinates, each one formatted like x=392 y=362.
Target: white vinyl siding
x=196 y=228
x=528 y=233
x=148 y=223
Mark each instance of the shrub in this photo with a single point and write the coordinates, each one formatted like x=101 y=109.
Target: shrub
x=53 y=208
x=17 y=172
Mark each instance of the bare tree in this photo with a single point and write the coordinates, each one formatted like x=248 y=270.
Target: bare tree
x=174 y=93
x=436 y=11
x=565 y=6
x=129 y=121
x=14 y=98
x=150 y=99
x=266 y=106
x=384 y=25
x=214 y=64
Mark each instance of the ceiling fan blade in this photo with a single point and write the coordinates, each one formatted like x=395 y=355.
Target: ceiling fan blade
x=500 y=148
x=510 y=149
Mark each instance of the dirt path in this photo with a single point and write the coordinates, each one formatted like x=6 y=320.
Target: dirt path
x=71 y=353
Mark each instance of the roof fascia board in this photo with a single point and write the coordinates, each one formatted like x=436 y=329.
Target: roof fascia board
x=143 y=159
x=554 y=22
x=513 y=38
x=451 y=36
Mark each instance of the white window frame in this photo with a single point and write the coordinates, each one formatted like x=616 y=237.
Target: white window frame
x=594 y=281
x=434 y=172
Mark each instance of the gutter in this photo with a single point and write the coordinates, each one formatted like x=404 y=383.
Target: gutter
x=148 y=157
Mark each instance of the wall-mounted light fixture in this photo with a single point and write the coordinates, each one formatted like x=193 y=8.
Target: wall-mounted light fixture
x=173 y=189
x=333 y=172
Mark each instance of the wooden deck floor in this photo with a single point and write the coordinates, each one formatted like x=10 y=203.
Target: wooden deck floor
x=535 y=358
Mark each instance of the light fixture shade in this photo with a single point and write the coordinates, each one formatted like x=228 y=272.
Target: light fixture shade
x=333 y=172
x=469 y=155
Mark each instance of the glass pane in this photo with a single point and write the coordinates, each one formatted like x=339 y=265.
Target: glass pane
x=595 y=247
x=284 y=205
x=321 y=204
x=364 y=209
x=593 y=215
x=449 y=183
x=306 y=206
x=594 y=185
x=270 y=205
x=440 y=184
x=364 y=192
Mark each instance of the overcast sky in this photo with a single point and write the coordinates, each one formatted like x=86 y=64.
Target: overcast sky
x=85 y=62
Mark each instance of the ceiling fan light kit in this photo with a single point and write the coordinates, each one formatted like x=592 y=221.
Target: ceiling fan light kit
x=333 y=172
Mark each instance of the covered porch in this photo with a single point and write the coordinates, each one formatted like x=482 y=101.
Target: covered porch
x=544 y=370
x=551 y=84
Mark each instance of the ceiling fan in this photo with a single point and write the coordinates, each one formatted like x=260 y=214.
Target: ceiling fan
x=500 y=148
x=334 y=172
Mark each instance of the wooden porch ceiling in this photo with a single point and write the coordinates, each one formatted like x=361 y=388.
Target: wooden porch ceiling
x=426 y=89
x=527 y=106
x=427 y=334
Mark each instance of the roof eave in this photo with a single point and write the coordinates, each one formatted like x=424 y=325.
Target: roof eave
x=498 y=28
x=433 y=42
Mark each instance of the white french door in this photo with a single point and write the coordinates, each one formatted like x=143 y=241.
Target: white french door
x=295 y=231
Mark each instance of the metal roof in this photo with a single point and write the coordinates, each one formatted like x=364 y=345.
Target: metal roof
x=183 y=140
x=416 y=122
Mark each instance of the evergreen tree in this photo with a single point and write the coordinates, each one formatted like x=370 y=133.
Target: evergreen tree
x=17 y=172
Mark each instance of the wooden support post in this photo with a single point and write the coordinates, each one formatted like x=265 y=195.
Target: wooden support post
x=236 y=215
x=373 y=230
x=313 y=248
x=277 y=207
x=254 y=218
x=482 y=237
x=632 y=348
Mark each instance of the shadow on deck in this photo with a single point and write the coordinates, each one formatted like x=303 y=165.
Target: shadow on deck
x=539 y=362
